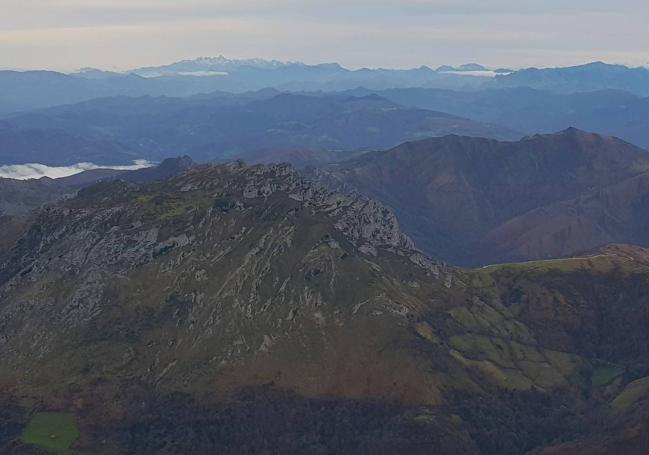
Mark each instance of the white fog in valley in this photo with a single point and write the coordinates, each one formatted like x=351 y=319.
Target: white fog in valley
x=37 y=170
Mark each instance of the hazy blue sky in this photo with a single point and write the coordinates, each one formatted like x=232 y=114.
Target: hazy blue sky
x=118 y=34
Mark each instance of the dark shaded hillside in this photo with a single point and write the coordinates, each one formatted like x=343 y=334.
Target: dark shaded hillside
x=23 y=91
x=270 y=421
x=56 y=147
x=220 y=127
x=479 y=201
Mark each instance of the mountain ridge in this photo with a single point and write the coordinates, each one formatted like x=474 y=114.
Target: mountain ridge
x=23 y=91
x=221 y=295
x=229 y=127
x=427 y=181
x=608 y=112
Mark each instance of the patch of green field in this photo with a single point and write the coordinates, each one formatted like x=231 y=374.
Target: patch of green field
x=633 y=393
x=564 y=363
x=482 y=278
x=424 y=330
x=603 y=263
x=480 y=317
x=507 y=378
x=51 y=431
x=542 y=373
x=604 y=374
x=483 y=348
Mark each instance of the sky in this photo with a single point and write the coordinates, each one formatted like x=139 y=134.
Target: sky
x=66 y=35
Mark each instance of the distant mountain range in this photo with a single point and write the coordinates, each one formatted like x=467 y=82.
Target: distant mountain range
x=225 y=126
x=222 y=66
x=21 y=91
x=205 y=66
x=582 y=78
x=475 y=201
x=120 y=129
x=609 y=112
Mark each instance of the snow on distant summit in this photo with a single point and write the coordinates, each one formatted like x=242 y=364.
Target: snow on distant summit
x=236 y=63
x=210 y=66
x=223 y=66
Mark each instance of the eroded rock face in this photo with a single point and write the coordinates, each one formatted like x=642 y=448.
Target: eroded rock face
x=245 y=271
x=359 y=219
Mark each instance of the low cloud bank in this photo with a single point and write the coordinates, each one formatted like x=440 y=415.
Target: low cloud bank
x=478 y=73
x=37 y=171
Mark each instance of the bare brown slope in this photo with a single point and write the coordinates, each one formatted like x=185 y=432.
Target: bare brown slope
x=615 y=213
x=450 y=193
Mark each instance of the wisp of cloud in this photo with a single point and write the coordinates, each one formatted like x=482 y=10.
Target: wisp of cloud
x=37 y=170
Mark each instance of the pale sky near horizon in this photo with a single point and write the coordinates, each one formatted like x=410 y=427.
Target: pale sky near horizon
x=121 y=34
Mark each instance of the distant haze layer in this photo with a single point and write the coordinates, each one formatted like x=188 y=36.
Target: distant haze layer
x=67 y=34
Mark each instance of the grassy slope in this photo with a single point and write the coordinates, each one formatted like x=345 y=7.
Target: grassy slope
x=51 y=431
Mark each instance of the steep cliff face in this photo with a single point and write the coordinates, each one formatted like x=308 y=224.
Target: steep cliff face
x=211 y=306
